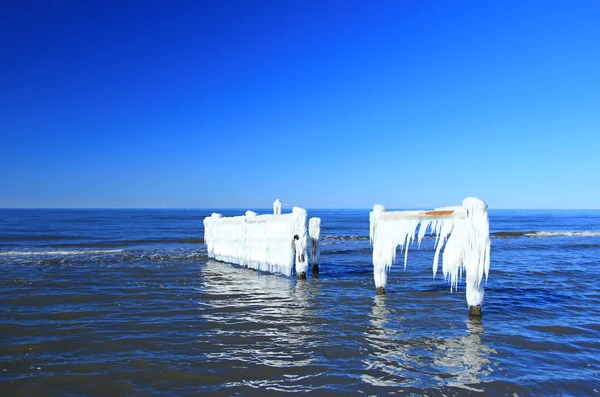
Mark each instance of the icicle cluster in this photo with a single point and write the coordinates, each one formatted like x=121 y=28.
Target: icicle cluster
x=314 y=231
x=263 y=242
x=464 y=230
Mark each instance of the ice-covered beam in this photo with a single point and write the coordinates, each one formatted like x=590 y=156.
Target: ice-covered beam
x=264 y=242
x=464 y=230
x=314 y=231
x=441 y=213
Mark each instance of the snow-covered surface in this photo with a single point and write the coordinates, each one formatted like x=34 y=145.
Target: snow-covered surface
x=463 y=229
x=262 y=242
x=314 y=231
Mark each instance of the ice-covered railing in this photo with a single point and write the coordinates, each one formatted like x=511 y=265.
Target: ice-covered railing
x=269 y=242
x=464 y=230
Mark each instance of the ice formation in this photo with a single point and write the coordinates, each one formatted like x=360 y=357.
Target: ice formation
x=464 y=230
x=264 y=242
x=314 y=231
x=277 y=207
x=300 y=239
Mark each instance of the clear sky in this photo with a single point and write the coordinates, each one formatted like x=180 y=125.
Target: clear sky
x=330 y=104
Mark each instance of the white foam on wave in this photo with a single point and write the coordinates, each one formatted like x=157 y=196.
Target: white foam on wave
x=344 y=238
x=60 y=253
x=564 y=234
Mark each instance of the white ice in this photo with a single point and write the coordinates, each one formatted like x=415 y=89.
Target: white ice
x=277 y=207
x=465 y=234
x=314 y=231
x=263 y=242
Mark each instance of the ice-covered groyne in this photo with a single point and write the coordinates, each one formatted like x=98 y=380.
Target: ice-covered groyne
x=272 y=242
x=464 y=230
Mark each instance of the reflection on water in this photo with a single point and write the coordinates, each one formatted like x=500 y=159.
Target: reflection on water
x=403 y=357
x=256 y=318
x=466 y=358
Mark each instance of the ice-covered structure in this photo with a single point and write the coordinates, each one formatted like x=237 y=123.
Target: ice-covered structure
x=314 y=231
x=271 y=242
x=277 y=207
x=464 y=230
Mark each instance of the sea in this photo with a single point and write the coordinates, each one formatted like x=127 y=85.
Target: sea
x=127 y=303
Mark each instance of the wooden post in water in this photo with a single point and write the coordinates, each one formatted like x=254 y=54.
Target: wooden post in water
x=314 y=231
x=277 y=207
x=299 y=257
x=464 y=230
x=300 y=240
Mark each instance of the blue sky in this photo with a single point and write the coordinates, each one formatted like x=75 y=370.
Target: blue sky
x=329 y=104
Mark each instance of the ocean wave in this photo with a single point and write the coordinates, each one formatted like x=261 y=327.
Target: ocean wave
x=344 y=238
x=510 y=234
x=94 y=242
x=113 y=256
x=565 y=234
x=38 y=237
x=128 y=243
x=191 y=240
x=542 y=234
x=88 y=245
x=58 y=253
x=326 y=251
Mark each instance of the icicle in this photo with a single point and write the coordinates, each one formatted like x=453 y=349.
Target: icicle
x=436 y=230
x=443 y=229
x=452 y=257
x=422 y=230
x=410 y=227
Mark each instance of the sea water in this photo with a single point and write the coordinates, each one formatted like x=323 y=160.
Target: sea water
x=126 y=302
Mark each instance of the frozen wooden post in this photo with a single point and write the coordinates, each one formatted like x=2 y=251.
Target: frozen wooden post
x=300 y=239
x=277 y=207
x=466 y=229
x=314 y=231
